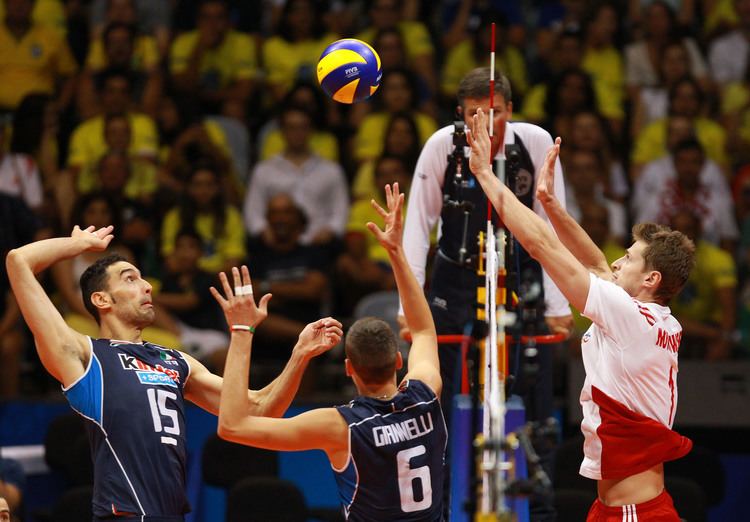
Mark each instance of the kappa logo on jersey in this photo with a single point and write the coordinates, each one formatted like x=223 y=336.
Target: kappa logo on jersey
x=586 y=337
x=148 y=374
x=168 y=359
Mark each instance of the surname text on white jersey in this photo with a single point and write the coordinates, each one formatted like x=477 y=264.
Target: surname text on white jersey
x=400 y=431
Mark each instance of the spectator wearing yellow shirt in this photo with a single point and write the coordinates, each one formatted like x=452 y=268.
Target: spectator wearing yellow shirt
x=398 y=94
x=473 y=52
x=389 y=14
x=735 y=118
x=707 y=304
x=363 y=267
x=292 y=53
x=122 y=48
x=205 y=210
x=271 y=140
x=151 y=17
x=601 y=58
x=33 y=58
x=49 y=13
x=569 y=55
x=214 y=63
x=401 y=140
x=141 y=180
x=685 y=99
x=88 y=142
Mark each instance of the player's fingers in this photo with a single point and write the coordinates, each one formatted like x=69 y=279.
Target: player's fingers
x=378 y=208
x=246 y=280
x=372 y=227
x=388 y=196
x=263 y=304
x=399 y=207
x=225 y=285
x=237 y=281
x=219 y=299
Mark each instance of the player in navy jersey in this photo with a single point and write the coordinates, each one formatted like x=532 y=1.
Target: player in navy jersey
x=387 y=446
x=133 y=392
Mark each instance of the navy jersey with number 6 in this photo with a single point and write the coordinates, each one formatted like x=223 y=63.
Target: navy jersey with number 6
x=397 y=453
x=132 y=396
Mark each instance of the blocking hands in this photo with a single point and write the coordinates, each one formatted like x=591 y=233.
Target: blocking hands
x=545 y=185
x=390 y=236
x=238 y=304
x=480 y=143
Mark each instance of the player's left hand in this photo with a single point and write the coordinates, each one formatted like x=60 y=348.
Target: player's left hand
x=319 y=337
x=480 y=143
x=239 y=304
x=545 y=185
x=390 y=236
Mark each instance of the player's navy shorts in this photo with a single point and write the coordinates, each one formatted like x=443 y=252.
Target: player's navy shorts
x=658 y=509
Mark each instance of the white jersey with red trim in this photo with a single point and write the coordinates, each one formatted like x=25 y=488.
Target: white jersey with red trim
x=630 y=393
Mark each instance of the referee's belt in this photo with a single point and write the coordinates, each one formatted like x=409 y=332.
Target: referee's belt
x=470 y=263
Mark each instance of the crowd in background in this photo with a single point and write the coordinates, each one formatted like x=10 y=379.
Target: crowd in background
x=198 y=129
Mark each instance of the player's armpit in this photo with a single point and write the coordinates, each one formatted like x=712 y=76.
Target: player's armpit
x=203 y=388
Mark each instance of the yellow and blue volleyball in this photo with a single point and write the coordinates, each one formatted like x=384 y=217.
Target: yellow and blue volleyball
x=349 y=70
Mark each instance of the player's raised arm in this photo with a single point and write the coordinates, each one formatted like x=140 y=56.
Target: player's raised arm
x=570 y=276
x=568 y=230
x=424 y=363
x=205 y=388
x=61 y=349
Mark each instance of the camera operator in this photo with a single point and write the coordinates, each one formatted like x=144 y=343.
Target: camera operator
x=444 y=187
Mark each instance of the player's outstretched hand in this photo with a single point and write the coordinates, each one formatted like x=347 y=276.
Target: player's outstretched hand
x=480 y=143
x=320 y=336
x=390 y=236
x=92 y=239
x=239 y=304
x=545 y=185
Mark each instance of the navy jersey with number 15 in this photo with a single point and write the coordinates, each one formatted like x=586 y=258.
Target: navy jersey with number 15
x=397 y=453
x=132 y=396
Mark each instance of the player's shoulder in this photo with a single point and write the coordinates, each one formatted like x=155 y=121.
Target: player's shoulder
x=529 y=131
x=442 y=136
x=417 y=390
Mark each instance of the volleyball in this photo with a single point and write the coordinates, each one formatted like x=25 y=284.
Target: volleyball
x=349 y=70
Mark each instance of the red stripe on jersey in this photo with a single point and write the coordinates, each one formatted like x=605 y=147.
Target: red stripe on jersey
x=645 y=312
x=671 y=393
x=632 y=442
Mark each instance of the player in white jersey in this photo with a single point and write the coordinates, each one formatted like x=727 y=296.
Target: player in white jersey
x=630 y=351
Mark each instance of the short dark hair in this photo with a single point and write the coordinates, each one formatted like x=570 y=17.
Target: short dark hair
x=687 y=144
x=115 y=26
x=94 y=279
x=476 y=84
x=670 y=253
x=113 y=72
x=371 y=346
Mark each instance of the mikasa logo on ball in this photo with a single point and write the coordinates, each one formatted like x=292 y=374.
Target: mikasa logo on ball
x=352 y=71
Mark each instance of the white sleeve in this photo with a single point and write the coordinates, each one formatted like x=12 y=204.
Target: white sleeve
x=697 y=63
x=254 y=209
x=720 y=61
x=727 y=225
x=340 y=201
x=537 y=143
x=615 y=312
x=31 y=181
x=425 y=201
